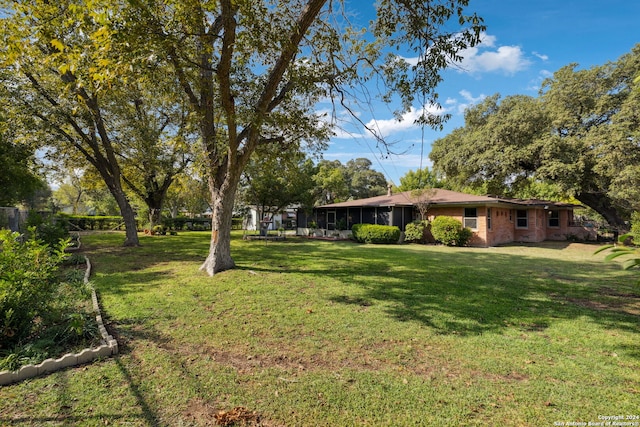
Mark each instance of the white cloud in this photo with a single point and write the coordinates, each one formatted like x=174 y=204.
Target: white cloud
x=541 y=56
x=470 y=98
x=390 y=126
x=467 y=100
x=342 y=133
x=535 y=85
x=485 y=57
x=546 y=73
x=411 y=61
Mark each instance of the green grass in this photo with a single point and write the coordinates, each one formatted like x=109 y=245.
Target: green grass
x=317 y=333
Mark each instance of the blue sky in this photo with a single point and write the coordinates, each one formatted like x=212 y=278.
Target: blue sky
x=525 y=42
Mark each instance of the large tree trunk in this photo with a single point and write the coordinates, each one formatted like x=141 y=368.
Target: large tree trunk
x=129 y=218
x=154 y=202
x=602 y=204
x=222 y=200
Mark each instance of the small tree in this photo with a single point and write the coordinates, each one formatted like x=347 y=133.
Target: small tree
x=422 y=200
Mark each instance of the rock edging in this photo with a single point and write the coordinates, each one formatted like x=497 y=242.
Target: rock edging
x=108 y=348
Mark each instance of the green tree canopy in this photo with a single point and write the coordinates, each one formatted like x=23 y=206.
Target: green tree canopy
x=18 y=180
x=335 y=182
x=74 y=88
x=274 y=180
x=363 y=181
x=580 y=135
x=419 y=179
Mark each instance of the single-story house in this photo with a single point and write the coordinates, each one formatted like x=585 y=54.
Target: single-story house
x=493 y=220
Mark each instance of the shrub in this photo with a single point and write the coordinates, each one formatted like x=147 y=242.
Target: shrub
x=449 y=231
x=50 y=230
x=417 y=231
x=371 y=233
x=28 y=279
x=465 y=235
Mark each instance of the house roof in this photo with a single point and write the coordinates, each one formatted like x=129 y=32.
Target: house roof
x=443 y=197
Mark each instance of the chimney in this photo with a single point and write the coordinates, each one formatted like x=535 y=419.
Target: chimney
x=389 y=192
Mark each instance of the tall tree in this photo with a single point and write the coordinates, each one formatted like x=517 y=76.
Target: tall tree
x=419 y=179
x=154 y=139
x=594 y=143
x=363 y=181
x=253 y=70
x=331 y=185
x=59 y=85
x=75 y=90
x=581 y=134
x=273 y=181
x=335 y=182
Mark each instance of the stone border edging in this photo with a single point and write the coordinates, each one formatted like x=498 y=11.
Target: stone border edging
x=108 y=348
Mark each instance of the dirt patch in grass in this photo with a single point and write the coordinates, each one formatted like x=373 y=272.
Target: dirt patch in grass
x=370 y=358
x=611 y=300
x=203 y=414
x=200 y=412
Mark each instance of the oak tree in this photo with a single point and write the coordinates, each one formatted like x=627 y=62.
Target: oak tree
x=581 y=135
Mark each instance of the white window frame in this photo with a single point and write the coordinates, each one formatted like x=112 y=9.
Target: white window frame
x=471 y=219
x=554 y=215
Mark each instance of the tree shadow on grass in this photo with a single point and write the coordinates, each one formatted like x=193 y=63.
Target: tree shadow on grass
x=452 y=290
x=462 y=292
x=63 y=411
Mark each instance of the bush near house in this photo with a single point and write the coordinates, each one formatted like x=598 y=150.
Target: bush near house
x=417 y=232
x=372 y=233
x=449 y=231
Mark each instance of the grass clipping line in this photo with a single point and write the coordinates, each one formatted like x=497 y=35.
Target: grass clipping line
x=237 y=414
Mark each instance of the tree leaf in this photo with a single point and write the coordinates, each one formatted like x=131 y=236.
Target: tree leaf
x=630 y=263
x=57 y=44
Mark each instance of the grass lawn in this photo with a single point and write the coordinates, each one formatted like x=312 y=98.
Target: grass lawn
x=320 y=333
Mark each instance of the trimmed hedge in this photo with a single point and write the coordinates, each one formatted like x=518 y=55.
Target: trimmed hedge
x=372 y=233
x=92 y=222
x=449 y=231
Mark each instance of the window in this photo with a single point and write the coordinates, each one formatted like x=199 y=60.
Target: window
x=554 y=218
x=470 y=218
x=489 y=218
x=522 y=218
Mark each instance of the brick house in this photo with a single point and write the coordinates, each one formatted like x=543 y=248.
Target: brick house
x=493 y=220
